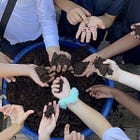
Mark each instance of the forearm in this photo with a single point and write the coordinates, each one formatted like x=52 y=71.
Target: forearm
x=7 y=70
x=65 y=5
x=129 y=79
x=9 y=132
x=127 y=101
x=126 y=43
x=107 y=20
x=44 y=137
x=93 y=119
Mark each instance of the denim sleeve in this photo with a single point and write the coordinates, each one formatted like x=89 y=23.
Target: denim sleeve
x=115 y=134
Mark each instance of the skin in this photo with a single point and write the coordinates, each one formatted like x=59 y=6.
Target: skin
x=17 y=116
x=133 y=33
x=9 y=70
x=94 y=120
x=101 y=91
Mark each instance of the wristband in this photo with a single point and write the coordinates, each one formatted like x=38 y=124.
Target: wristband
x=72 y=98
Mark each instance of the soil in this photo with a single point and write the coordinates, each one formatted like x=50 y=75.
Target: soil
x=137 y=30
x=60 y=59
x=50 y=110
x=80 y=67
x=103 y=68
x=61 y=85
x=43 y=73
x=27 y=93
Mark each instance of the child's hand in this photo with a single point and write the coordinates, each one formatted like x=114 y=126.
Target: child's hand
x=47 y=125
x=73 y=135
x=116 y=70
x=100 y=91
x=56 y=87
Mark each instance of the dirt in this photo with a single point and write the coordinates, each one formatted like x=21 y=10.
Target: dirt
x=27 y=93
x=103 y=68
x=80 y=67
x=43 y=73
x=60 y=59
x=137 y=30
x=50 y=110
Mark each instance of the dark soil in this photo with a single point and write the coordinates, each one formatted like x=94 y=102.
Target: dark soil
x=137 y=30
x=50 y=110
x=27 y=93
x=60 y=59
x=43 y=73
x=80 y=67
x=61 y=85
x=103 y=68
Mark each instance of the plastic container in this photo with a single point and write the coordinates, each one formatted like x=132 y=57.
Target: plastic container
x=66 y=42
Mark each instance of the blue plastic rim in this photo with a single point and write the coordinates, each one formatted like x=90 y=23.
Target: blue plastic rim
x=70 y=43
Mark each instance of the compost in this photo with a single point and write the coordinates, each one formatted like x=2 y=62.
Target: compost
x=27 y=93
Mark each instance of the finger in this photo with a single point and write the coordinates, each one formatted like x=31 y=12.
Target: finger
x=44 y=110
x=83 y=36
x=82 y=137
x=88 y=36
x=13 y=79
x=74 y=135
x=78 y=32
x=87 y=13
x=65 y=67
x=58 y=68
x=53 y=68
x=28 y=113
x=66 y=130
x=94 y=33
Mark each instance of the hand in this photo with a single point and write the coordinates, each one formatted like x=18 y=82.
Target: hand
x=100 y=91
x=135 y=33
x=116 y=70
x=47 y=125
x=90 y=30
x=73 y=135
x=65 y=88
x=5 y=59
x=64 y=67
x=33 y=74
x=16 y=113
x=77 y=14
x=90 y=68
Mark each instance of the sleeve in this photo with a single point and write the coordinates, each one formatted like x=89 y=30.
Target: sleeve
x=47 y=18
x=115 y=134
x=115 y=7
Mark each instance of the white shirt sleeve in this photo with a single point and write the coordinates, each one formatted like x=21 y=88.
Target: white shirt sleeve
x=115 y=134
x=47 y=19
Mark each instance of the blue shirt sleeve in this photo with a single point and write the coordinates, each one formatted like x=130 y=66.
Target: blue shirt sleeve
x=115 y=134
x=115 y=8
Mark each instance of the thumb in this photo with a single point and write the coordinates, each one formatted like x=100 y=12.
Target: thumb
x=28 y=113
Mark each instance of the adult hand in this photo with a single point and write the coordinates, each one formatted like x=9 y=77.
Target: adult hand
x=33 y=74
x=90 y=30
x=56 y=88
x=59 y=68
x=100 y=91
x=135 y=33
x=5 y=59
x=73 y=135
x=77 y=14
x=47 y=125
x=90 y=68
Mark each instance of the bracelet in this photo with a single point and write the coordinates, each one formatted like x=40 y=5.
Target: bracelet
x=72 y=98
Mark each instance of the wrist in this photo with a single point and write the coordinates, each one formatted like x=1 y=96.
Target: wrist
x=44 y=137
x=17 y=126
x=70 y=99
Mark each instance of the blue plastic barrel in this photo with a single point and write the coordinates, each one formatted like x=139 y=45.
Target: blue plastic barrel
x=66 y=42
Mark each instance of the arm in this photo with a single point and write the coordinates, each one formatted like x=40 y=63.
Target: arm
x=75 y=13
x=8 y=70
x=93 y=120
x=101 y=91
x=125 y=43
